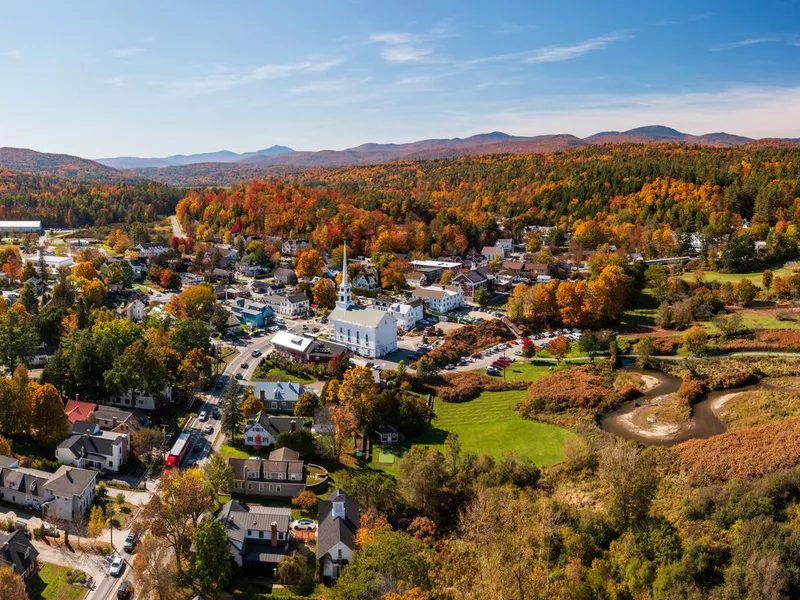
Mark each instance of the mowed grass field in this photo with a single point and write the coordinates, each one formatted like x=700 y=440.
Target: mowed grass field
x=490 y=425
x=753 y=276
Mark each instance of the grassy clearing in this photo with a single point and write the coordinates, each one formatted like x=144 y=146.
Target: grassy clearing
x=51 y=584
x=756 y=407
x=276 y=374
x=235 y=450
x=490 y=425
x=525 y=371
x=643 y=314
x=753 y=276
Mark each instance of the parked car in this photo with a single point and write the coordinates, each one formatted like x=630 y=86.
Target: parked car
x=203 y=416
x=208 y=429
x=125 y=591
x=304 y=525
x=492 y=371
x=116 y=567
x=215 y=414
x=130 y=542
x=239 y=376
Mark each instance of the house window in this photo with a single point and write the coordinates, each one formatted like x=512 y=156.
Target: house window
x=366 y=338
x=277 y=488
x=249 y=532
x=261 y=534
x=358 y=337
x=274 y=405
x=281 y=535
x=260 y=487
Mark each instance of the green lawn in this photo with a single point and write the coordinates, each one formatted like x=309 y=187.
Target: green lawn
x=51 y=584
x=236 y=451
x=756 y=321
x=490 y=425
x=754 y=276
x=276 y=374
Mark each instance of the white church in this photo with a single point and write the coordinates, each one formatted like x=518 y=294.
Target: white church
x=364 y=331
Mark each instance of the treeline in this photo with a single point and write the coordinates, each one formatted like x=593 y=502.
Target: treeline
x=640 y=198
x=62 y=203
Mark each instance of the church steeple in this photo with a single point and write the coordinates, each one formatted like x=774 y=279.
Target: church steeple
x=344 y=300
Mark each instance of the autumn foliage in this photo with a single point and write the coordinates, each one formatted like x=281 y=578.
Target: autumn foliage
x=582 y=387
x=746 y=453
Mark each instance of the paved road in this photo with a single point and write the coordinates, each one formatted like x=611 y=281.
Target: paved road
x=177 y=230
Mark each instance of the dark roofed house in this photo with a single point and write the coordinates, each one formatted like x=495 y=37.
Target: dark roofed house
x=339 y=517
x=258 y=535
x=263 y=430
x=17 y=552
x=282 y=475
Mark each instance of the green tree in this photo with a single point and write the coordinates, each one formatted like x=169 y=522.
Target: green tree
x=391 y=562
x=301 y=440
x=18 y=337
x=145 y=442
x=631 y=480
x=210 y=566
x=218 y=475
x=305 y=405
x=766 y=279
x=643 y=349
x=231 y=408
x=426 y=369
x=695 y=340
x=188 y=334
x=482 y=297
x=219 y=320
x=28 y=298
x=296 y=571
x=420 y=474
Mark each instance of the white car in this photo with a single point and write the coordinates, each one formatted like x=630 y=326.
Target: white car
x=208 y=429
x=203 y=416
x=116 y=567
x=304 y=525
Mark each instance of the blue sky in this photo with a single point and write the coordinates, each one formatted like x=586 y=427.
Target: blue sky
x=108 y=78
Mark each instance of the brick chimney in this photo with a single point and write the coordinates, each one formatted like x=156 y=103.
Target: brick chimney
x=294 y=425
x=273 y=538
x=263 y=398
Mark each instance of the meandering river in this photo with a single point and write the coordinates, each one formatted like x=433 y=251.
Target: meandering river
x=626 y=420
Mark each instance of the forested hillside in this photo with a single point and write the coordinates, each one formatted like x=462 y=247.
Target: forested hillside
x=64 y=203
x=632 y=196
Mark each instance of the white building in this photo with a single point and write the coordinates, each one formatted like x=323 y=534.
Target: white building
x=294 y=247
x=406 y=314
x=17 y=227
x=364 y=331
x=151 y=249
x=89 y=447
x=52 y=261
x=440 y=298
x=339 y=518
x=292 y=305
x=444 y=265
x=135 y=311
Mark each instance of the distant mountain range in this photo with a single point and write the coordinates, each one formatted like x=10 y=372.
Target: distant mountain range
x=223 y=156
x=58 y=165
x=226 y=167
x=485 y=143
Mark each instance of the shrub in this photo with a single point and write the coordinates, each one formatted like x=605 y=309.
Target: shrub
x=746 y=453
x=462 y=387
x=468 y=340
x=582 y=387
x=692 y=390
x=305 y=500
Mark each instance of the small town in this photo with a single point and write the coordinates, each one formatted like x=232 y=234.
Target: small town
x=400 y=300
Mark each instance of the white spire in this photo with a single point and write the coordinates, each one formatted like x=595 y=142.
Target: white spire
x=344 y=301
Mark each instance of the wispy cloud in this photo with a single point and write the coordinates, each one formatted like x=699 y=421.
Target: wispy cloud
x=549 y=54
x=404 y=46
x=127 y=52
x=329 y=86
x=791 y=39
x=224 y=79
x=13 y=53
x=118 y=80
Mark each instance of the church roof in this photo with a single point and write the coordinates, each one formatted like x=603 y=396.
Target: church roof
x=367 y=317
